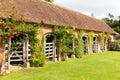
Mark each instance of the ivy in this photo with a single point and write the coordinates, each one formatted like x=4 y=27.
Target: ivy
x=37 y=47
x=64 y=36
x=102 y=37
x=90 y=38
x=79 y=49
x=107 y=37
x=22 y=31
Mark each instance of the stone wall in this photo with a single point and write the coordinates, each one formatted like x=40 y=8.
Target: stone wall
x=2 y=56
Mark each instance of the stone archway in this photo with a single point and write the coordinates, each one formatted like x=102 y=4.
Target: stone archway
x=49 y=46
x=86 y=45
x=95 y=44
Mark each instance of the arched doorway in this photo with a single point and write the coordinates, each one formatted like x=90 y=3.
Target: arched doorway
x=85 y=40
x=19 y=50
x=95 y=44
x=49 y=46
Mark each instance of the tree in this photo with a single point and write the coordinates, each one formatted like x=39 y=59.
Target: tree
x=113 y=22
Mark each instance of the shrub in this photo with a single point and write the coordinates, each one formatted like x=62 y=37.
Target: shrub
x=115 y=45
x=79 y=49
x=37 y=47
x=64 y=37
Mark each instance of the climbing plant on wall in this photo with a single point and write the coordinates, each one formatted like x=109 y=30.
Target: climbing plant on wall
x=6 y=30
x=38 y=56
x=37 y=43
x=107 y=37
x=90 y=38
x=102 y=37
x=79 y=48
x=64 y=36
x=13 y=28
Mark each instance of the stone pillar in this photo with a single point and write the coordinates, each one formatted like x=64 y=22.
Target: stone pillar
x=106 y=46
x=73 y=56
x=2 y=57
x=54 y=58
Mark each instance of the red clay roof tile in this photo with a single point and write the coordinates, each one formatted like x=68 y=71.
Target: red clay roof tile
x=37 y=10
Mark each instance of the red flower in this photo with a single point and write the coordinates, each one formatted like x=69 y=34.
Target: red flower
x=1 y=35
x=2 y=25
x=42 y=22
x=11 y=36
x=11 y=26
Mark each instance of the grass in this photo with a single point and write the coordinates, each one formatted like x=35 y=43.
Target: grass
x=105 y=66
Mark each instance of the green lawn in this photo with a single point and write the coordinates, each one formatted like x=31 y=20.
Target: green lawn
x=105 y=66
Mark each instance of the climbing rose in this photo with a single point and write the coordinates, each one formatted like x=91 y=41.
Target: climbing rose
x=11 y=26
x=1 y=35
x=42 y=22
x=11 y=36
x=2 y=25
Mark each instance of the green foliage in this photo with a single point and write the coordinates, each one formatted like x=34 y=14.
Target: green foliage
x=79 y=49
x=102 y=37
x=38 y=56
x=107 y=36
x=26 y=31
x=113 y=22
x=90 y=38
x=6 y=30
x=50 y=1
x=115 y=45
x=37 y=45
x=64 y=36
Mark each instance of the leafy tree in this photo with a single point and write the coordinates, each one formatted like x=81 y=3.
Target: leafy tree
x=115 y=45
x=113 y=22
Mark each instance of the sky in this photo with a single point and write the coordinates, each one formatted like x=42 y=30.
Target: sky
x=99 y=8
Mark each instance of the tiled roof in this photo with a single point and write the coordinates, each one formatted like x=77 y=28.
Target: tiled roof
x=37 y=10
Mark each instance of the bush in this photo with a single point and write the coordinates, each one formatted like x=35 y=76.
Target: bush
x=79 y=49
x=115 y=45
x=37 y=49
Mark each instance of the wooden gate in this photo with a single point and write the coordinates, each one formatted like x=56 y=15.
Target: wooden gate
x=95 y=45
x=19 y=54
x=49 y=46
x=49 y=49
x=85 y=40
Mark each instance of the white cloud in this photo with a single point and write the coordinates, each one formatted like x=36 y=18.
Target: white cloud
x=100 y=8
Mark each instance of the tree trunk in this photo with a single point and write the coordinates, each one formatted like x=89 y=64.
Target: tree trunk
x=2 y=56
